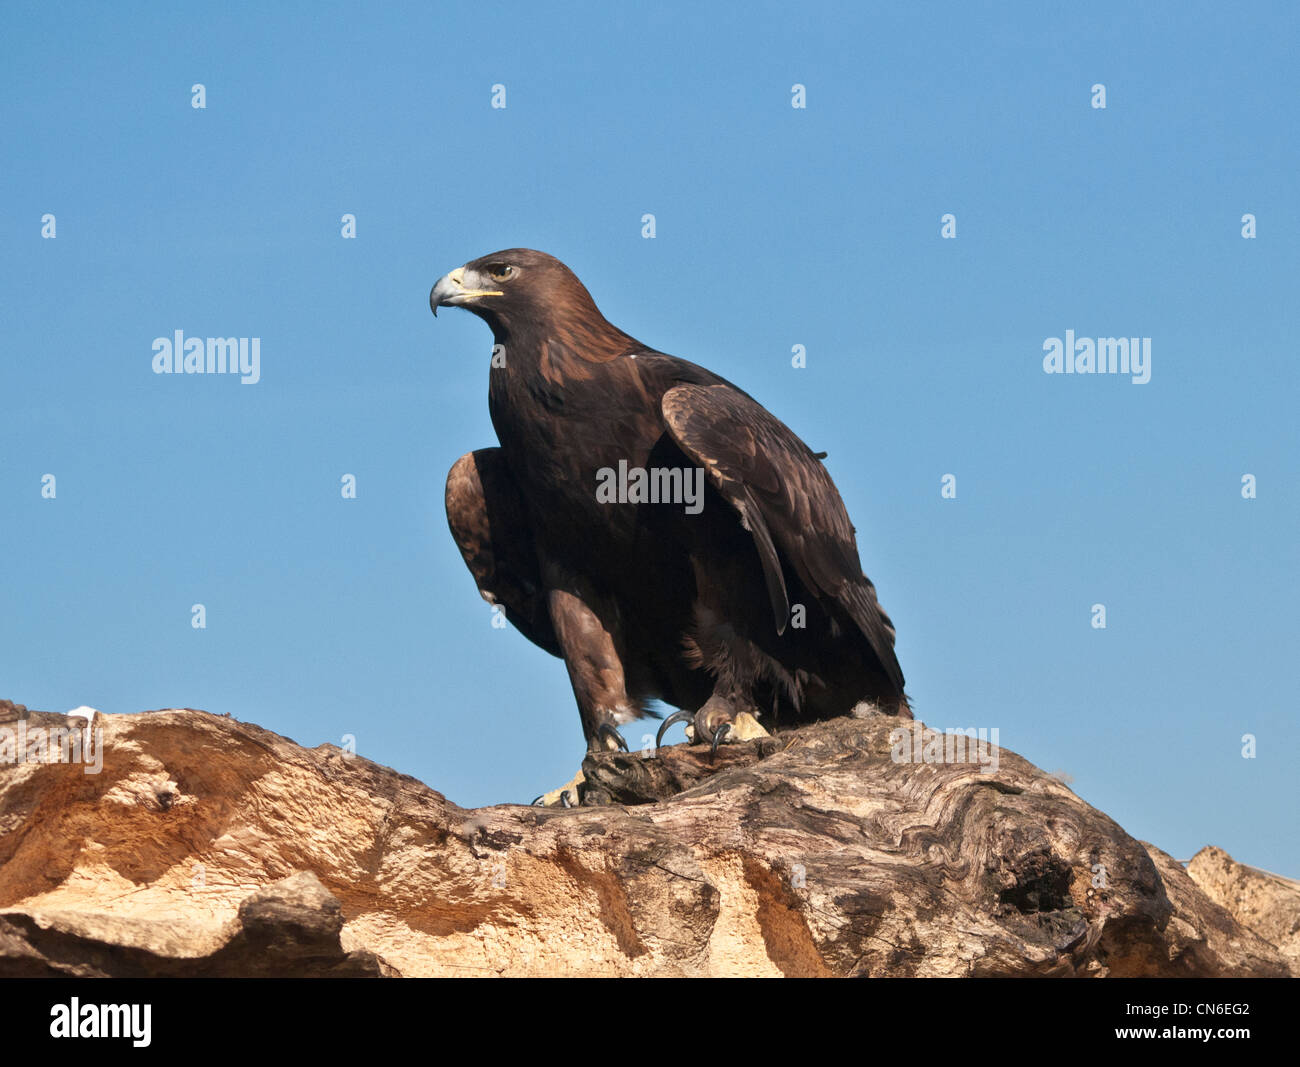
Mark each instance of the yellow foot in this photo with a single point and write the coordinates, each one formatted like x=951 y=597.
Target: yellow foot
x=564 y=797
x=744 y=727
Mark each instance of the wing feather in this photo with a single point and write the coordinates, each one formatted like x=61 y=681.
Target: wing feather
x=785 y=498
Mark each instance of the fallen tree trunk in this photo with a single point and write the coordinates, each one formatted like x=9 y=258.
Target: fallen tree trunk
x=814 y=852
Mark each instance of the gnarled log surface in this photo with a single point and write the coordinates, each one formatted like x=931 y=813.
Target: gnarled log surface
x=809 y=853
x=1266 y=903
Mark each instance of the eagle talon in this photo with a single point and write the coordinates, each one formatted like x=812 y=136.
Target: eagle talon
x=723 y=730
x=566 y=796
x=604 y=730
x=675 y=717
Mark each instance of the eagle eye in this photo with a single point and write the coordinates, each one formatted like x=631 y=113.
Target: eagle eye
x=500 y=272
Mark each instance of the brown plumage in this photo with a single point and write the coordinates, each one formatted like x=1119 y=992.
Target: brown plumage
x=754 y=602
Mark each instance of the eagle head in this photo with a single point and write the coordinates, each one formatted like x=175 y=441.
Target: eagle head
x=513 y=283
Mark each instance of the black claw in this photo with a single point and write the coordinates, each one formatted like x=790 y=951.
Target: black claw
x=718 y=735
x=675 y=717
x=537 y=801
x=605 y=730
x=564 y=799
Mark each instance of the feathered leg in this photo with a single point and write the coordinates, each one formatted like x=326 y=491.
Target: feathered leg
x=590 y=647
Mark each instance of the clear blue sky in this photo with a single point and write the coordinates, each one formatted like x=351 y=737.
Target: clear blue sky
x=775 y=227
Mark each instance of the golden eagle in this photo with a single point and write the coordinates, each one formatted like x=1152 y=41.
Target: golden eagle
x=655 y=526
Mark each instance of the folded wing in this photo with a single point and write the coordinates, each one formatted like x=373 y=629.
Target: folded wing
x=787 y=501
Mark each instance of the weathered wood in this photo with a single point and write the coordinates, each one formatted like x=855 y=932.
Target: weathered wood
x=1263 y=902
x=808 y=853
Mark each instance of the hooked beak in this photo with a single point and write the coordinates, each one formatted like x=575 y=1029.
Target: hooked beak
x=456 y=289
